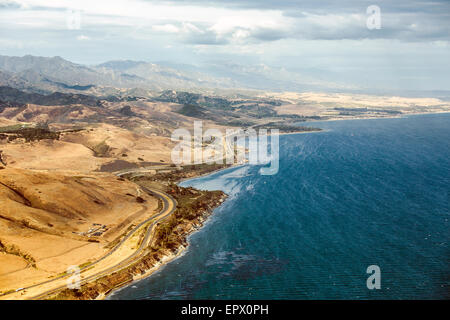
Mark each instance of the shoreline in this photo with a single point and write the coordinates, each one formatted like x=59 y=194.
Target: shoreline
x=182 y=250
x=168 y=258
x=163 y=262
x=203 y=175
x=400 y=116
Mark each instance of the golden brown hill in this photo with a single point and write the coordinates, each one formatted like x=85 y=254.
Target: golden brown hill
x=51 y=221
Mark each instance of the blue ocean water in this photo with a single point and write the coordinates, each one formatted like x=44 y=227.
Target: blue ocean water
x=360 y=193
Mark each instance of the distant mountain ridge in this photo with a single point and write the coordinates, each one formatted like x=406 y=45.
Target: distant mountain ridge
x=48 y=74
x=52 y=72
x=11 y=95
x=124 y=78
x=120 y=65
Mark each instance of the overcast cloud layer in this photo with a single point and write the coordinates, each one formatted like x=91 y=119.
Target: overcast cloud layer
x=322 y=40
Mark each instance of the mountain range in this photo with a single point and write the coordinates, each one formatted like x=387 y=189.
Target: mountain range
x=50 y=74
x=124 y=78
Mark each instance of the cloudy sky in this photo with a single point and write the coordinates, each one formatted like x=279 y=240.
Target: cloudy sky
x=324 y=40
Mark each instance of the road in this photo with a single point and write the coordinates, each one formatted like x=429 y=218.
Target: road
x=59 y=283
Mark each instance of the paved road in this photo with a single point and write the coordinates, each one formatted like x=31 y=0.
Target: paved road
x=169 y=205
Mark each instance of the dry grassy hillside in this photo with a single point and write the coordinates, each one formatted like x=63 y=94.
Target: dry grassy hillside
x=136 y=132
x=51 y=221
x=85 y=150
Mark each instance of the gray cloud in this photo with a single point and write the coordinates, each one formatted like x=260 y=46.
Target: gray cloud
x=404 y=20
x=326 y=6
x=337 y=20
x=407 y=20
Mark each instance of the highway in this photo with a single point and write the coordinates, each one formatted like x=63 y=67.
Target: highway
x=168 y=207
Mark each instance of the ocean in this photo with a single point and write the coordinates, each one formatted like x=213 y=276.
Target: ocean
x=359 y=193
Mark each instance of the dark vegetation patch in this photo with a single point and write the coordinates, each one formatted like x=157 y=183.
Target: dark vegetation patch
x=14 y=96
x=28 y=133
x=237 y=123
x=9 y=104
x=184 y=172
x=357 y=111
x=118 y=165
x=191 y=110
x=12 y=249
x=258 y=111
x=140 y=200
x=101 y=150
x=285 y=128
x=126 y=111
x=74 y=87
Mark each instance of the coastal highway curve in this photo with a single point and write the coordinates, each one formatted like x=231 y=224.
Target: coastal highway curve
x=102 y=268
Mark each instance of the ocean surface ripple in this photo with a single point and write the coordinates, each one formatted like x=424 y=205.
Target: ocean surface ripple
x=362 y=192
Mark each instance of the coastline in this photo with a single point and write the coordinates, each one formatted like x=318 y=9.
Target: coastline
x=163 y=262
x=403 y=115
x=182 y=249
x=167 y=259
x=171 y=273
x=301 y=132
x=168 y=242
x=206 y=174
